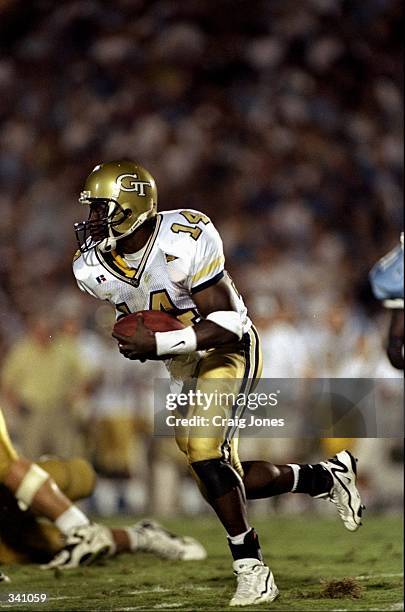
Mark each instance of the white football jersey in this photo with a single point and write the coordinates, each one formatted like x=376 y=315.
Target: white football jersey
x=183 y=256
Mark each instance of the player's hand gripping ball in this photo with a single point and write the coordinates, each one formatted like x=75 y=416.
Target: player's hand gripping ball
x=136 y=332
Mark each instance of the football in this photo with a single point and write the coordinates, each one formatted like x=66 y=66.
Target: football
x=155 y=320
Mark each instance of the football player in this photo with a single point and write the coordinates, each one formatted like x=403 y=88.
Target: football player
x=387 y=281
x=27 y=538
x=137 y=259
x=35 y=489
x=47 y=489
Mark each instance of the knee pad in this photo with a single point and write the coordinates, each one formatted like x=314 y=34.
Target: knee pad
x=217 y=476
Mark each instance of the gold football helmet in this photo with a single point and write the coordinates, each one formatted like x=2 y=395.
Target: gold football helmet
x=121 y=196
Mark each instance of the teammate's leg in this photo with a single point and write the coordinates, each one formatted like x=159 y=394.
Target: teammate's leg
x=33 y=488
x=149 y=536
x=25 y=539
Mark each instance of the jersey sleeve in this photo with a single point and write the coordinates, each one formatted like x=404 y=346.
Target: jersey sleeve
x=83 y=287
x=207 y=266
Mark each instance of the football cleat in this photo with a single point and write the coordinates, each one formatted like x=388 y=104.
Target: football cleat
x=344 y=493
x=152 y=537
x=83 y=546
x=255 y=583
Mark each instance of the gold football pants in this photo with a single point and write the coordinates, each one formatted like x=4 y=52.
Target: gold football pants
x=226 y=371
x=8 y=453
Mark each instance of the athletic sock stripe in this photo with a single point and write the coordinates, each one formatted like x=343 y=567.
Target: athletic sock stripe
x=296 y=473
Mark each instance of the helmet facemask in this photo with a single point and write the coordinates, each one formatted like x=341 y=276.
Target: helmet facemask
x=98 y=230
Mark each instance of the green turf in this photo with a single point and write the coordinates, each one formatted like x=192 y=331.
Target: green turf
x=301 y=551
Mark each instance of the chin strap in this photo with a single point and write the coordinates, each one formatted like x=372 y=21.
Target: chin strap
x=110 y=243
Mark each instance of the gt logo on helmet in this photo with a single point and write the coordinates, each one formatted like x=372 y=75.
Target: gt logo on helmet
x=135 y=185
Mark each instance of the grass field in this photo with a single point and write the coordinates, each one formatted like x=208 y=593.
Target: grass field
x=301 y=552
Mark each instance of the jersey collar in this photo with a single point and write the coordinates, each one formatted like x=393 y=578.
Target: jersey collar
x=118 y=267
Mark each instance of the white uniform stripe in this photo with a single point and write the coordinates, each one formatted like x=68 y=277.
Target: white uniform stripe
x=248 y=382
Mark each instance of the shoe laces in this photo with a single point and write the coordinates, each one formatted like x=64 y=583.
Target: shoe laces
x=341 y=508
x=246 y=580
x=159 y=542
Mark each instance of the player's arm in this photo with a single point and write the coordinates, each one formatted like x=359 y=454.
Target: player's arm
x=396 y=339
x=221 y=325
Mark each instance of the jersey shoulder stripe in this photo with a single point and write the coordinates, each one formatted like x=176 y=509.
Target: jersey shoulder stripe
x=212 y=281
x=191 y=236
x=207 y=270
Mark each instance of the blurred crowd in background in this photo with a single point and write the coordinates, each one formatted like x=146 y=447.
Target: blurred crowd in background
x=280 y=119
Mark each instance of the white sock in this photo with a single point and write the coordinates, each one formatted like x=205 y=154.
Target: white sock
x=296 y=471
x=239 y=539
x=71 y=518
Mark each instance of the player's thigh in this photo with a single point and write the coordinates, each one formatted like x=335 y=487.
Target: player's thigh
x=244 y=362
x=223 y=377
x=8 y=454
x=218 y=384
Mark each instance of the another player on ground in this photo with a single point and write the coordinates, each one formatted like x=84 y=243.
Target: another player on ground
x=31 y=491
x=27 y=538
x=35 y=489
